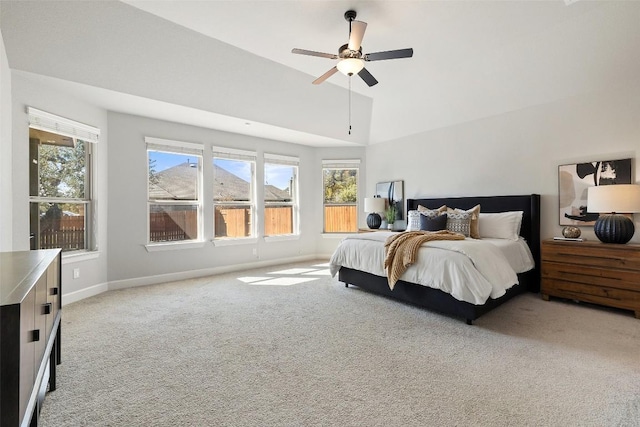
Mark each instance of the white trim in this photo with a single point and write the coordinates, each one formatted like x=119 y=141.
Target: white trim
x=226 y=241
x=48 y=122
x=70 y=258
x=281 y=237
x=170 y=246
x=91 y=291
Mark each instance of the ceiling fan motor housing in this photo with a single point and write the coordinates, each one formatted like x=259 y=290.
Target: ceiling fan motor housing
x=345 y=52
x=350 y=15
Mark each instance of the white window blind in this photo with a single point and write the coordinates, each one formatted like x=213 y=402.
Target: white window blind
x=341 y=164
x=48 y=122
x=280 y=159
x=234 y=154
x=158 y=144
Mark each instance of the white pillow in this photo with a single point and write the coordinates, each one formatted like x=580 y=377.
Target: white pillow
x=413 y=221
x=503 y=225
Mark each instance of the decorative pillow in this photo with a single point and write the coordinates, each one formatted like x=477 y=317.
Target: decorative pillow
x=413 y=221
x=475 y=215
x=432 y=212
x=503 y=225
x=459 y=222
x=433 y=222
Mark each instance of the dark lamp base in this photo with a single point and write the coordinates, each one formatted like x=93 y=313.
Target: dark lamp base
x=614 y=228
x=374 y=221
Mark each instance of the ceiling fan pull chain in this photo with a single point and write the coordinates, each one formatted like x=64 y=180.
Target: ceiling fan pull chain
x=349 y=104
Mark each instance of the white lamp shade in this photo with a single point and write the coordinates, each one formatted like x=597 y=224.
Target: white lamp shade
x=350 y=66
x=619 y=198
x=373 y=204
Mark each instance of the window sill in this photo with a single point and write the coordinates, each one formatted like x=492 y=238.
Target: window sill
x=69 y=258
x=155 y=247
x=232 y=241
x=282 y=238
x=337 y=235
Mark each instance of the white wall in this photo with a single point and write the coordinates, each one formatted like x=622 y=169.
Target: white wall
x=5 y=151
x=93 y=272
x=515 y=153
x=129 y=259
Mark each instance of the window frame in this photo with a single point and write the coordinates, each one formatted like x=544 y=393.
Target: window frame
x=341 y=165
x=294 y=162
x=250 y=157
x=182 y=148
x=89 y=135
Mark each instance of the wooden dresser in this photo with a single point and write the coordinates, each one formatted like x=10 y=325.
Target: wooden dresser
x=30 y=310
x=591 y=271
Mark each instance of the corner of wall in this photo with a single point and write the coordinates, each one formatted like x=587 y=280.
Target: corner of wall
x=6 y=211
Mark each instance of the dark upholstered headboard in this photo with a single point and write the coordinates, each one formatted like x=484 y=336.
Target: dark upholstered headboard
x=529 y=204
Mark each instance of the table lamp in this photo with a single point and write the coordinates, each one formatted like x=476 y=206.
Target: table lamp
x=373 y=205
x=610 y=201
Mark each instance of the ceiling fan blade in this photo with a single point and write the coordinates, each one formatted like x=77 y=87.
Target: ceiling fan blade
x=367 y=77
x=389 y=54
x=325 y=76
x=357 y=33
x=314 y=53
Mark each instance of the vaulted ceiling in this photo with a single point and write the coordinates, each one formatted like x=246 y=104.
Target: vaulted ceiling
x=223 y=64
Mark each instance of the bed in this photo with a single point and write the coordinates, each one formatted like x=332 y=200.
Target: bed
x=443 y=301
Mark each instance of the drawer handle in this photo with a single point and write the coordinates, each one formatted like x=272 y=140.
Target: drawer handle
x=46 y=308
x=54 y=291
x=35 y=335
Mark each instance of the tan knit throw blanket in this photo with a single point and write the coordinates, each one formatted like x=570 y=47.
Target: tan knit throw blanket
x=401 y=250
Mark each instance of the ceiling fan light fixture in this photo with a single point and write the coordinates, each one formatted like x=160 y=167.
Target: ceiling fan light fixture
x=350 y=66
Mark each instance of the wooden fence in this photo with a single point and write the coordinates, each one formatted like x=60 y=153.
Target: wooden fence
x=340 y=218
x=173 y=225
x=66 y=233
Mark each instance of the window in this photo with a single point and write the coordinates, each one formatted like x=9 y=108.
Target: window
x=174 y=191
x=234 y=175
x=60 y=184
x=340 y=190
x=280 y=195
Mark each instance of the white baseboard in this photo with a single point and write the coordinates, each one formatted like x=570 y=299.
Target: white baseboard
x=84 y=293
x=71 y=297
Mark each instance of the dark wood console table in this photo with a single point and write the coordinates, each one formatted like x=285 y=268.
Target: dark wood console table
x=30 y=311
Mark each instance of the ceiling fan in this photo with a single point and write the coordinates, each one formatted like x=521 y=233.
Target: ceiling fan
x=350 y=58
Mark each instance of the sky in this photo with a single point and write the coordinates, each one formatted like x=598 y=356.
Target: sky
x=276 y=175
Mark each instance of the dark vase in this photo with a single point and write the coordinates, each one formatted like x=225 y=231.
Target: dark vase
x=374 y=221
x=614 y=228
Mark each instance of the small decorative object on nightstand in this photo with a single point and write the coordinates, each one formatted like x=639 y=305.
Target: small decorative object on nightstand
x=373 y=205
x=390 y=213
x=611 y=201
x=571 y=232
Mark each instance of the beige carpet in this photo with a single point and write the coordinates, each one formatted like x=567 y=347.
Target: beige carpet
x=296 y=348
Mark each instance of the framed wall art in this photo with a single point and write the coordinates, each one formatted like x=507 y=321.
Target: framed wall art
x=393 y=191
x=575 y=179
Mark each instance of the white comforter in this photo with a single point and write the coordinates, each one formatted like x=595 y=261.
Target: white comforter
x=470 y=270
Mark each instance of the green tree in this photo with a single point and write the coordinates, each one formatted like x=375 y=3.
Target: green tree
x=62 y=170
x=153 y=174
x=340 y=185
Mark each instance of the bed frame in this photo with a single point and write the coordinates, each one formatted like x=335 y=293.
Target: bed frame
x=437 y=300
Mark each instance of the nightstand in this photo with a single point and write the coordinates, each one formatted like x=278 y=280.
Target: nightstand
x=594 y=272
x=374 y=230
